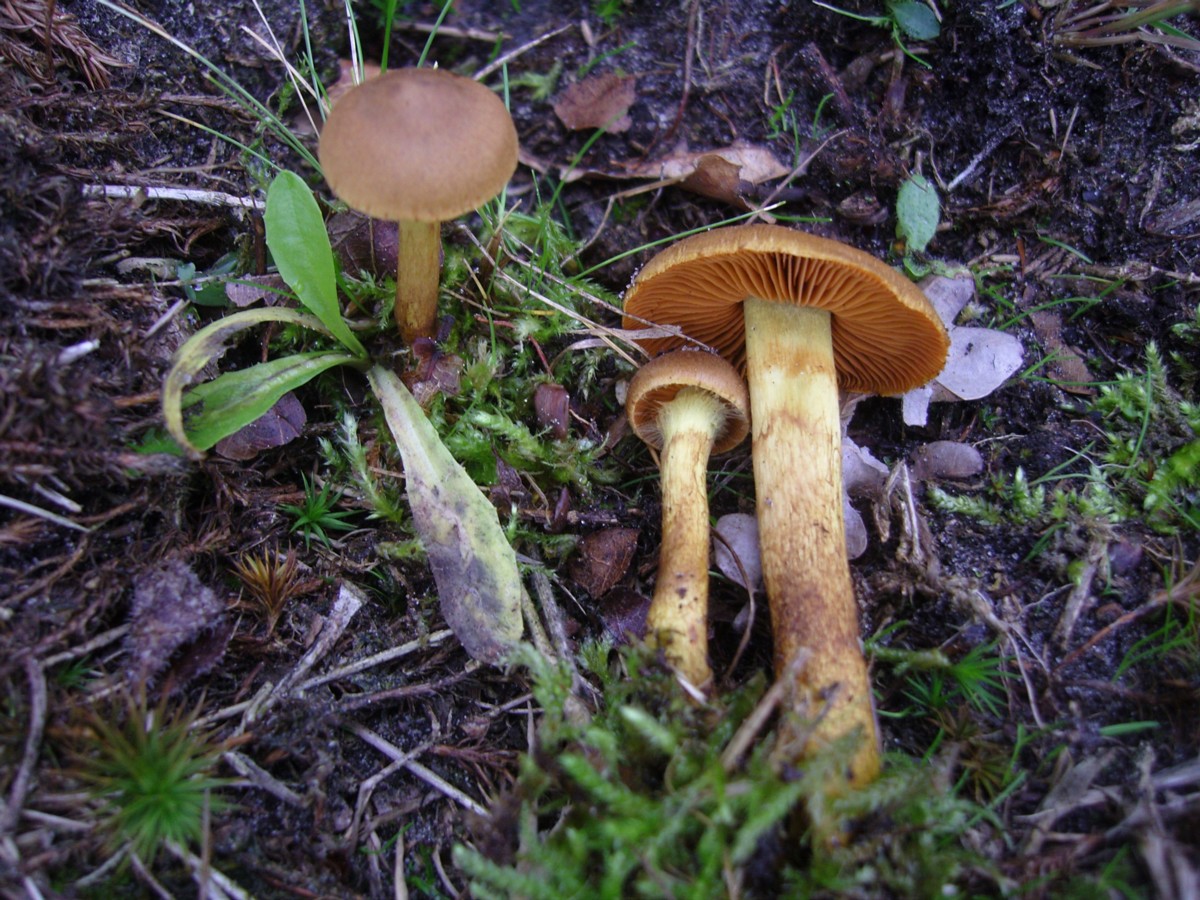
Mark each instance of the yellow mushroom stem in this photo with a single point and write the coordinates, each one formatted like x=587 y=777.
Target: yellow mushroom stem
x=678 y=617
x=418 y=275
x=796 y=450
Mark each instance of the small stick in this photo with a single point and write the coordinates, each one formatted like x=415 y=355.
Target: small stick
x=431 y=778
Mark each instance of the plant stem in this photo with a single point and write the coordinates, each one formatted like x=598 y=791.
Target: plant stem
x=798 y=476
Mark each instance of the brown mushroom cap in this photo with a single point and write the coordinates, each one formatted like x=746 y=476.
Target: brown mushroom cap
x=887 y=337
x=421 y=145
x=660 y=380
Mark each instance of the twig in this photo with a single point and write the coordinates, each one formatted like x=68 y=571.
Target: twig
x=1080 y=593
x=1182 y=593
x=30 y=509
x=688 y=52
x=748 y=731
x=261 y=778
x=33 y=741
x=349 y=601
x=184 y=195
x=431 y=640
x=795 y=173
x=508 y=57
x=988 y=149
x=225 y=886
x=431 y=778
x=367 y=788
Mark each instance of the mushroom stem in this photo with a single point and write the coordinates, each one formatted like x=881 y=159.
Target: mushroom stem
x=796 y=450
x=678 y=617
x=418 y=273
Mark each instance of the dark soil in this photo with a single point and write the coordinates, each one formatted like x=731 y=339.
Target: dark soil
x=1073 y=170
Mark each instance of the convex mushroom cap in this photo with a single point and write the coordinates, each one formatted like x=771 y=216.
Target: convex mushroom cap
x=887 y=338
x=659 y=382
x=418 y=144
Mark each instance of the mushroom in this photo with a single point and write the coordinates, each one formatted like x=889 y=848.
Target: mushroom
x=801 y=315
x=688 y=405
x=418 y=146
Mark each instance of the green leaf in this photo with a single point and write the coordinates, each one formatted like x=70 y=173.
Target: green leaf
x=209 y=344
x=917 y=211
x=915 y=19
x=297 y=240
x=233 y=400
x=473 y=564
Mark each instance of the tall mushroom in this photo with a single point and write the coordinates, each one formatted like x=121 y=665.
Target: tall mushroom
x=689 y=405
x=800 y=315
x=418 y=146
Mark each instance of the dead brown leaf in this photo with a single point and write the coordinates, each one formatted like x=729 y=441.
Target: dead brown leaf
x=1066 y=365
x=604 y=558
x=601 y=101
x=281 y=424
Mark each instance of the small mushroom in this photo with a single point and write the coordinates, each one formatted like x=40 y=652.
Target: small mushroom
x=418 y=146
x=688 y=405
x=801 y=315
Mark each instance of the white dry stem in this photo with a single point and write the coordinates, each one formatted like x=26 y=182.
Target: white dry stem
x=216 y=884
x=431 y=778
x=30 y=509
x=349 y=601
x=183 y=195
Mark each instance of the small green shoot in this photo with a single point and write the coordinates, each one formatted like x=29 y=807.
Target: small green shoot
x=904 y=19
x=918 y=211
x=1173 y=636
x=152 y=773
x=315 y=516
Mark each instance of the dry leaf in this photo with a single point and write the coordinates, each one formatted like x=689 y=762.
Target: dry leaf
x=946 y=459
x=601 y=101
x=856 y=530
x=177 y=624
x=552 y=404
x=718 y=179
x=735 y=550
x=1066 y=366
x=623 y=615
x=279 y=425
x=755 y=164
x=862 y=474
x=251 y=289
x=980 y=360
x=603 y=559
x=365 y=244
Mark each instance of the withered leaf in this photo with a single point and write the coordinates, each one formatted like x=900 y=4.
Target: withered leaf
x=735 y=550
x=279 y=425
x=946 y=459
x=755 y=164
x=176 y=622
x=600 y=101
x=552 y=404
x=250 y=289
x=475 y=568
x=1066 y=366
x=718 y=179
x=437 y=372
x=364 y=244
x=623 y=615
x=603 y=559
